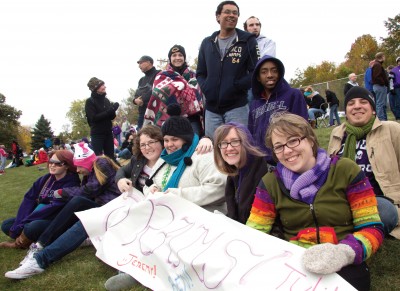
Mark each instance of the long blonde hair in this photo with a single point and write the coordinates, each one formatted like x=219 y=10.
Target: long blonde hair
x=98 y=171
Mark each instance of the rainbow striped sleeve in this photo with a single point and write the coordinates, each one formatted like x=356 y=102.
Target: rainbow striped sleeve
x=263 y=212
x=368 y=235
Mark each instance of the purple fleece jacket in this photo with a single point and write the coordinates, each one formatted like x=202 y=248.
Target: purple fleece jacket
x=283 y=98
x=35 y=196
x=91 y=187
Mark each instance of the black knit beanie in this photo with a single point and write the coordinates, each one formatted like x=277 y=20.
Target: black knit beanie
x=177 y=125
x=359 y=92
x=94 y=84
x=177 y=48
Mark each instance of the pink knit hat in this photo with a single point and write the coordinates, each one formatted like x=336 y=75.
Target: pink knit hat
x=84 y=156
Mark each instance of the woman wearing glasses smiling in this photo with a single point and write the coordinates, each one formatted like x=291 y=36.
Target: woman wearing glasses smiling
x=39 y=207
x=183 y=171
x=322 y=203
x=146 y=151
x=237 y=156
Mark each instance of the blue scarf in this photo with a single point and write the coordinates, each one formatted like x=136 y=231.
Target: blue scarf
x=177 y=159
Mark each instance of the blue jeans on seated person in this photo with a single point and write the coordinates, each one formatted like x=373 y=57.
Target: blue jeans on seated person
x=65 y=219
x=125 y=154
x=32 y=230
x=213 y=120
x=62 y=246
x=388 y=213
x=312 y=111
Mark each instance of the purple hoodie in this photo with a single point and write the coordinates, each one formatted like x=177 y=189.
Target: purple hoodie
x=42 y=192
x=283 y=98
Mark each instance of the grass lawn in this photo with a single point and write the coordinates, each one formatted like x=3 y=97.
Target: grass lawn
x=81 y=270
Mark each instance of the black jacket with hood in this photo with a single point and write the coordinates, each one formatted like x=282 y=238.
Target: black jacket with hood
x=225 y=80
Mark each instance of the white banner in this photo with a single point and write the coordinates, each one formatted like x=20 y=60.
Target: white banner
x=168 y=243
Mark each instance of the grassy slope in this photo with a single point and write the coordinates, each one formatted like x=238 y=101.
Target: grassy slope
x=81 y=270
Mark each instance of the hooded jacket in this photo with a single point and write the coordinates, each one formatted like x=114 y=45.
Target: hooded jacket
x=91 y=187
x=266 y=46
x=225 y=80
x=29 y=210
x=283 y=98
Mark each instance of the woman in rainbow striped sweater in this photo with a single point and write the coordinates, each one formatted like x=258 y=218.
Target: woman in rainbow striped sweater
x=324 y=204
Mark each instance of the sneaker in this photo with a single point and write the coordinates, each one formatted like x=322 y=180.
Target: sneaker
x=33 y=249
x=28 y=269
x=122 y=281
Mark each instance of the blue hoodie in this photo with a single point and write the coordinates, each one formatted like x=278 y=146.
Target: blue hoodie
x=283 y=98
x=225 y=80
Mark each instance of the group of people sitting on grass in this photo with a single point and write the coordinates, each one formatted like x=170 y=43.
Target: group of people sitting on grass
x=353 y=187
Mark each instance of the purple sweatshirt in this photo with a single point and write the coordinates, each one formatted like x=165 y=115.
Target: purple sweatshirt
x=283 y=98
x=91 y=187
x=42 y=192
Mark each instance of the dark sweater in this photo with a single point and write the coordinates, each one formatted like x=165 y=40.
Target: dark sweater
x=99 y=114
x=239 y=196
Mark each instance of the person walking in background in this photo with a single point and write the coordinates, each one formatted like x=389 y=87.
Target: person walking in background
x=333 y=102
x=99 y=114
x=395 y=92
x=265 y=45
x=380 y=84
x=351 y=83
x=145 y=87
x=3 y=159
x=368 y=78
x=176 y=85
x=272 y=93
x=226 y=62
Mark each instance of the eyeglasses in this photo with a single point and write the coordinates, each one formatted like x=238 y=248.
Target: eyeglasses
x=149 y=144
x=228 y=12
x=234 y=143
x=56 y=163
x=291 y=144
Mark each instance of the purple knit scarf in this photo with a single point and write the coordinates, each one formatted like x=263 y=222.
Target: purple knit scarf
x=304 y=187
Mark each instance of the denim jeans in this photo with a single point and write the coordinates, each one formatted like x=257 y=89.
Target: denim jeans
x=103 y=143
x=333 y=112
x=213 y=120
x=394 y=101
x=32 y=230
x=380 y=98
x=65 y=244
x=3 y=161
x=65 y=219
x=312 y=111
x=388 y=213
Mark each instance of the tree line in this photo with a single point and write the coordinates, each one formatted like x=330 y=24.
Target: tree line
x=361 y=52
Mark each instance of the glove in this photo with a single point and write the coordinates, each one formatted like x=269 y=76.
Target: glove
x=115 y=106
x=327 y=258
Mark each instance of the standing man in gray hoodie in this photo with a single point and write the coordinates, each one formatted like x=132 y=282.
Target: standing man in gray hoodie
x=265 y=45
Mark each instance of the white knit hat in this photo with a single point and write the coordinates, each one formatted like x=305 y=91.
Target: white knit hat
x=84 y=156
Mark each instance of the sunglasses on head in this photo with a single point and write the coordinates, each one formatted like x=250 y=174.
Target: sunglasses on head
x=56 y=163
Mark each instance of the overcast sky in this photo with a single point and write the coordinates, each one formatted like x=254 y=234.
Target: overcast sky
x=51 y=48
